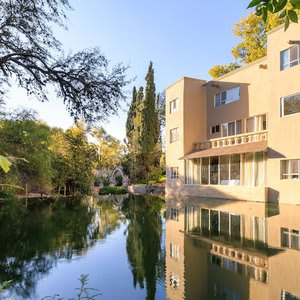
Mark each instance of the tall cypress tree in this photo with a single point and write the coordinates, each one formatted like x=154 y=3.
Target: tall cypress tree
x=131 y=114
x=150 y=124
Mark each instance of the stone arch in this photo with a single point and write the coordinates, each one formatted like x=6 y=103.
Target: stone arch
x=115 y=171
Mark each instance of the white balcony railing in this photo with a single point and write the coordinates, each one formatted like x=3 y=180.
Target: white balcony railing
x=233 y=140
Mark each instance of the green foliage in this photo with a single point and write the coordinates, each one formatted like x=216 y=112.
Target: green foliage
x=4 y=285
x=5 y=163
x=150 y=125
x=113 y=190
x=111 y=150
x=97 y=181
x=144 y=238
x=287 y=9
x=119 y=180
x=252 y=32
x=105 y=180
x=220 y=70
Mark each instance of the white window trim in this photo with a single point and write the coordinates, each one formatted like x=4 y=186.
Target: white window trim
x=174 y=176
x=220 y=93
x=171 y=142
x=177 y=106
x=289 y=170
x=282 y=106
x=288 y=65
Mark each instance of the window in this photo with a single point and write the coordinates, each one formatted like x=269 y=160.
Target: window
x=256 y=123
x=174 y=251
x=290 y=238
x=290 y=57
x=174 y=214
x=174 y=135
x=174 y=173
x=228 y=96
x=174 y=106
x=290 y=105
x=232 y=128
x=290 y=169
x=215 y=129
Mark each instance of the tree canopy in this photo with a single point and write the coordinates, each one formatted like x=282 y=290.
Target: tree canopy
x=32 y=55
x=287 y=9
x=252 y=32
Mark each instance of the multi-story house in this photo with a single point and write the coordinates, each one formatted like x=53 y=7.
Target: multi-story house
x=238 y=136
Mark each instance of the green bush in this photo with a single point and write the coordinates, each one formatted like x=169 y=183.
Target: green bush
x=97 y=181
x=162 y=179
x=156 y=174
x=105 y=180
x=119 y=180
x=113 y=190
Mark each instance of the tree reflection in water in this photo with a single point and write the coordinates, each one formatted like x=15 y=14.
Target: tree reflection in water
x=33 y=240
x=146 y=255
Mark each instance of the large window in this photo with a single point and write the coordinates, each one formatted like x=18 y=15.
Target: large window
x=174 y=106
x=232 y=128
x=290 y=57
x=290 y=169
x=226 y=170
x=228 y=96
x=174 y=213
x=174 y=173
x=174 y=135
x=290 y=105
x=256 y=123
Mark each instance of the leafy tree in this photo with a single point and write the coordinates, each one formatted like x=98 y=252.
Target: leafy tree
x=30 y=53
x=288 y=9
x=27 y=140
x=220 y=70
x=252 y=31
x=150 y=124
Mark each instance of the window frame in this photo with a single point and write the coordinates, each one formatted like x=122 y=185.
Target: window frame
x=172 y=110
x=290 y=63
x=289 y=175
x=219 y=99
x=174 y=175
x=282 y=115
x=177 y=137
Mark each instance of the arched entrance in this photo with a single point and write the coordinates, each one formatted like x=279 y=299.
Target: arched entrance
x=118 y=171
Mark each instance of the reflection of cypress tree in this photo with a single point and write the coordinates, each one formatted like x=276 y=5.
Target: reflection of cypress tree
x=144 y=240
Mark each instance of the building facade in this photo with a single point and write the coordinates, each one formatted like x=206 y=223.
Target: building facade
x=238 y=137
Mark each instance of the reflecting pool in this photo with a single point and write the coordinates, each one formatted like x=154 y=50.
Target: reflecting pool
x=144 y=247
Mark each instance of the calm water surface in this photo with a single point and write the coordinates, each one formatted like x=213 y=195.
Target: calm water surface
x=203 y=249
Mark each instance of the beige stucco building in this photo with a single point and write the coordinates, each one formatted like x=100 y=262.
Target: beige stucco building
x=222 y=249
x=238 y=136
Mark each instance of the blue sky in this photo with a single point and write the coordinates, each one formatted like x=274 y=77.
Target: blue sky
x=182 y=38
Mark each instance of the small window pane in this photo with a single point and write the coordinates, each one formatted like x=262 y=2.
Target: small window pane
x=284 y=59
x=224 y=170
x=231 y=128
x=225 y=129
x=214 y=166
x=238 y=127
x=250 y=125
x=174 y=135
x=218 y=100
x=294 y=57
x=204 y=170
x=217 y=128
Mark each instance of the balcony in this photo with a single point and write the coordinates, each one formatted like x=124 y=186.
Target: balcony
x=233 y=140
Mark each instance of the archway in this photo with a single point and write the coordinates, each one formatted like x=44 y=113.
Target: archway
x=118 y=171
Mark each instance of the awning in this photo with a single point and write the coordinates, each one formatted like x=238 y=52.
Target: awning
x=237 y=149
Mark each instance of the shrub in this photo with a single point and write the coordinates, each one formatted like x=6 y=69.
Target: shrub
x=97 y=181
x=119 y=180
x=105 y=180
x=113 y=190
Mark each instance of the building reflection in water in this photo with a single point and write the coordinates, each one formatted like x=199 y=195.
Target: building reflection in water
x=222 y=249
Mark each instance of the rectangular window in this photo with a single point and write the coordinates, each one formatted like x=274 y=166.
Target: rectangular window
x=174 y=173
x=232 y=128
x=290 y=238
x=290 y=57
x=174 y=135
x=224 y=170
x=228 y=96
x=174 y=214
x=290 y=169
x=215 y=129
x=290 y=105
x=174 y=106
x=214 y=170
x=256 y=123
x=204 y=170
x=174 y=251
